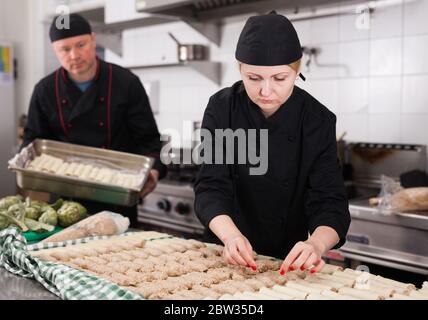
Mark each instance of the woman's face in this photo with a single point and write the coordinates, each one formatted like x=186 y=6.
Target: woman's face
x=268 y=87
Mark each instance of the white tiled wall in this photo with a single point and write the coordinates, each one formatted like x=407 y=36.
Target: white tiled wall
x=375 y=79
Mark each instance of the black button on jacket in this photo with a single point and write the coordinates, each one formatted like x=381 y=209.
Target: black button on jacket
x=303 y=187
x=119 y=119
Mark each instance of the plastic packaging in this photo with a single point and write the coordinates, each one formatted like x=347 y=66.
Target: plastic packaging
x=105 y=223
x=393 y=198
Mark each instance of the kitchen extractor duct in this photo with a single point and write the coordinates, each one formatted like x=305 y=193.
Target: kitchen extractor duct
x=205 y=10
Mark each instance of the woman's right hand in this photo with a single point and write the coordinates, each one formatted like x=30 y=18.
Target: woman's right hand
x=238 y=251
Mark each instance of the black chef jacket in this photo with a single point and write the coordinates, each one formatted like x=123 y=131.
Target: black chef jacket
x=113 y=113
x=303 y=187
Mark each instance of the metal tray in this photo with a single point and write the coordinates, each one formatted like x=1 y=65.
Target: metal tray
x=74 y=187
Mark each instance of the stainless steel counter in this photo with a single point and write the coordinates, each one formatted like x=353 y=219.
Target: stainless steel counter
x=398 y=241
x=13 y=287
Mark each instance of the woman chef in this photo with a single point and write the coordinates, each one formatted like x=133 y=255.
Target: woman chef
x=93 y=103
x=298 y=209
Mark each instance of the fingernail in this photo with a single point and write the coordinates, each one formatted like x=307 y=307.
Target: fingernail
x=313 y=271
x=282 y=272
x=292 y=268
x=302 y=268
x=247 y=265
x=254 y=268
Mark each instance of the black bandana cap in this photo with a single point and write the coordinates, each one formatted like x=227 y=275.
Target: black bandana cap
x=269 y=40
x=68 y=26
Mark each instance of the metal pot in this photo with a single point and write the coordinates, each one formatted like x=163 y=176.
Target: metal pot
x=190 y=52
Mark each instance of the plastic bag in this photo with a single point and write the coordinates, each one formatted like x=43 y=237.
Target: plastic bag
x=105 y=223
x=389 y=187
x=393 y=198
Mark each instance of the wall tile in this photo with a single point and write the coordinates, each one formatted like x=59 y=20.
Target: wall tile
x=415 y=94
x=413 y=129
x=385 y=94
x=325 y=30
x=326 y=92
x=355 y=125
x=385 y=56
x=326 y=64
x=415 y=17
x=371 y=98
x=415 y=52
x=387 y=21
x=384 y=128
x=353 y=95
x=354 y=57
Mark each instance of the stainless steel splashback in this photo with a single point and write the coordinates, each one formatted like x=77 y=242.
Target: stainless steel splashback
x=371 y=160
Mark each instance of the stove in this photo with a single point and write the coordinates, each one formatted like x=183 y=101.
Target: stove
x=397 y=240
x=170 y=207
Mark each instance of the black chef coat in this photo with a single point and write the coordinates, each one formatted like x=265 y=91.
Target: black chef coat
x=113 y=113
x=303 y=187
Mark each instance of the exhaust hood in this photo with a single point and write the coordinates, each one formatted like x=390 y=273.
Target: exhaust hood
x=206 y=10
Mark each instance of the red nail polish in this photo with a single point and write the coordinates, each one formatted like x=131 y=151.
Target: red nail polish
x=313 y=271
x=292 y=268
x=302 y=268
x=247 y=265
x=282 y=272
x=254 y=268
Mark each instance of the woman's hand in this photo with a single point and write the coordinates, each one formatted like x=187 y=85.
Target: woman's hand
x=238 y=251
x=304 y=255
x=150 y=184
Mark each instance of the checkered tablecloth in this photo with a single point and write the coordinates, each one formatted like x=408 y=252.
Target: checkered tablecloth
x=65 y=282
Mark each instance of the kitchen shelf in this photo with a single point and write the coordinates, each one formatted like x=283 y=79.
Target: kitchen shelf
x=109 y=35
x=209 y=30
x=92 y=10
x=209 y=69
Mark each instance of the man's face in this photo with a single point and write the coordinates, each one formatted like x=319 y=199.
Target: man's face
x=77 y=55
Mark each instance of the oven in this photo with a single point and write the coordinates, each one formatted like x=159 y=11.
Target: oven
x=398 y=240
x=170 y=207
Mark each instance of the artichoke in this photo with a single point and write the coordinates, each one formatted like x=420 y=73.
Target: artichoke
x=82 y=210
x=38 y=205
x=58 y=204
x=68 y=214
x=6 y=202
x=49 y=216
x=32 y=213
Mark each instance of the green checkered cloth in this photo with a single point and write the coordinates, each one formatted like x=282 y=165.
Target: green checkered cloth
x=65 y=282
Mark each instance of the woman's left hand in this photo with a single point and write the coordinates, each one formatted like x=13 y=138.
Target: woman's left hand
x=150 y=184
x=304 y=255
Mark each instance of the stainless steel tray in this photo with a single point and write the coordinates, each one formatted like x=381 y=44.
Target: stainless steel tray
x=74 y=187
